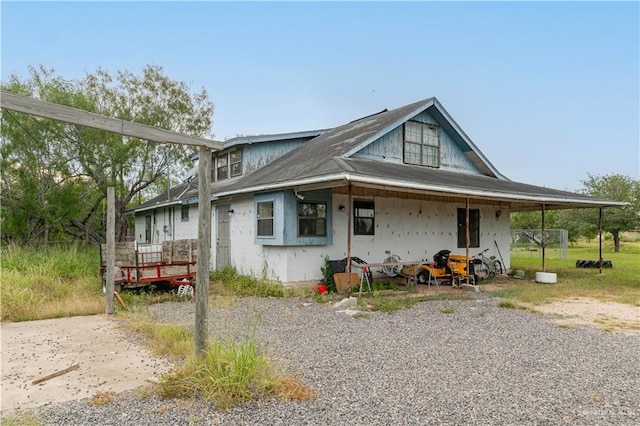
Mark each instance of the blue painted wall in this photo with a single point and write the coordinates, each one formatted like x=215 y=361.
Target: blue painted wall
x=389 y=148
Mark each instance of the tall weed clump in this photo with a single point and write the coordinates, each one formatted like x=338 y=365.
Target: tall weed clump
x=233 y=370
x=227 y=281
x=49 y=283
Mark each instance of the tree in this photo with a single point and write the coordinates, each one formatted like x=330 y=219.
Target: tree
x=620 y=188
x=79 y=162
x=584 y=222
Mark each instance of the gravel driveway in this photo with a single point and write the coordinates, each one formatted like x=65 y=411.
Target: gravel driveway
x=440 y=362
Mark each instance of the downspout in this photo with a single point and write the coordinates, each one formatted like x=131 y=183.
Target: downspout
x=544 y=239
x=600 y=242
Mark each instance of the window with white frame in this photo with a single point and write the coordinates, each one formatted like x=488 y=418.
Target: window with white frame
x=312 y=219
x=421 y=144
x=265 y=219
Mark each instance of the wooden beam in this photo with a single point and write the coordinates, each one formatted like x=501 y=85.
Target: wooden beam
x=111 y=250
x=204 y=252
x=31 y=106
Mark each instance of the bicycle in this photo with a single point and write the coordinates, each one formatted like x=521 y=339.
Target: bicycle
x=487 y=267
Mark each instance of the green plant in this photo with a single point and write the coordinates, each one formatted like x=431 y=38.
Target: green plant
x=20 y=419
x=327 y=276
x=232 y=371
x=449 y=309
x=227 y=281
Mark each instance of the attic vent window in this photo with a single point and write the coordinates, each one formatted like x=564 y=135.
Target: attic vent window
x=421 y=144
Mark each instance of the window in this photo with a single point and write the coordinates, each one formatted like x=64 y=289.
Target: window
x=185 y=213
x=147 y=228
x=363 y=218
x=265 y=219
x=421 y=144
x=236 y=163
x=474 y=228
x=312 y=219
x=223 y=167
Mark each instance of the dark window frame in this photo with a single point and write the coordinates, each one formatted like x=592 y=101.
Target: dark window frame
x=235 y=166
x=222 y=172
x=421 y=141
x=474 y=228
x=360 y=220
x=184 y=213
x=310 y=224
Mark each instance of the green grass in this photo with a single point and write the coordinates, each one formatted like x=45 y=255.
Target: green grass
x=228 y=282
x=232 y=371
x=619 y=284
x=40 y=283
x=20 y=419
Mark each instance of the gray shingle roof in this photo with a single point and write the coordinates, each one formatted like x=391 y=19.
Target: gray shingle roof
x=326 y=160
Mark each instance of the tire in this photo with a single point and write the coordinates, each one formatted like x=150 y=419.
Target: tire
x=482 y=271
x=497 y=265
x=423 y=277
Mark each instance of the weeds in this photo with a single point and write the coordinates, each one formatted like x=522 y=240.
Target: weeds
x=20 y=419
x=231 y=372
x=39 y=284
x=102 y=398
x=228 y=281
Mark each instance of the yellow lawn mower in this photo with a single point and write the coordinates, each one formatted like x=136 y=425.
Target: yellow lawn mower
x=445 y=267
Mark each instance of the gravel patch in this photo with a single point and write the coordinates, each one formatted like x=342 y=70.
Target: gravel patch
x=440 y=362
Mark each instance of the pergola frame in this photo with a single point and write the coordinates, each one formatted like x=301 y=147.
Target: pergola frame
x=31 y=106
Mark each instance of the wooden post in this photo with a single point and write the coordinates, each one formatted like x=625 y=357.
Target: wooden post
x=544 y=240
x=349 y=225
x=600 y=242
x=111 y=249
x=467 y=234
x=204 y=252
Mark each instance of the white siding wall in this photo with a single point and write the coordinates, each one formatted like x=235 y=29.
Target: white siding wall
x=414 y=230
x=167 y=226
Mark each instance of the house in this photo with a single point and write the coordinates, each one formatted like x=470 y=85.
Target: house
x=400 y=181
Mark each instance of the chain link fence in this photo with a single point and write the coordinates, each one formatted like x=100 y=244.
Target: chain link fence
x=530 y=241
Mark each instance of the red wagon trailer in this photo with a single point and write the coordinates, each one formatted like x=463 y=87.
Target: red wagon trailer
x=172 y=263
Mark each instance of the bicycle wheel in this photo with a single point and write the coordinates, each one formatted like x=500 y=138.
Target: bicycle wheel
x=497 y=267
x=482 y=271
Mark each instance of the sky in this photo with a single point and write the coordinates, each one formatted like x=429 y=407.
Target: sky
x=548 y=91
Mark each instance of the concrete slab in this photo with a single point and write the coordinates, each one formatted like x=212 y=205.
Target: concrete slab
x=109 y=362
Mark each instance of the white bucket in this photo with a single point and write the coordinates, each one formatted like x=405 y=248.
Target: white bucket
x=546 y=277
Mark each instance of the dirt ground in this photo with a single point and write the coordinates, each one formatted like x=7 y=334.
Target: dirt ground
x=108 y=361
x=609 y=316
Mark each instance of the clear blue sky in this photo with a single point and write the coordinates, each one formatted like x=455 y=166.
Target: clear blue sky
x=549 y=91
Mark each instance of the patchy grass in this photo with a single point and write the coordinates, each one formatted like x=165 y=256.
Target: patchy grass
x=228 y=282
x=20 y=419
x=389 y=302
x=102 y=398
x=234 y=369
x=618 y=284
x=447 y=309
